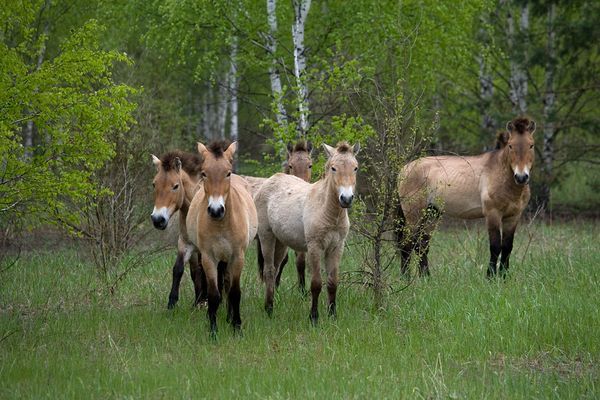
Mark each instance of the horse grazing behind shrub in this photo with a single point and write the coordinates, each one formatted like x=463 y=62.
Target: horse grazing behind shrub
x=493 y=185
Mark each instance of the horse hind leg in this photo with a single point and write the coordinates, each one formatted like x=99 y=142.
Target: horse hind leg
x=177 y=275
x=404 y=240
x=268 y=244
x=432 y=214
x=280 y=269
x=199 y=280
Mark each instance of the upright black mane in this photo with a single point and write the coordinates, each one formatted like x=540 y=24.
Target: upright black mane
x=190 y=162
x=218 y=147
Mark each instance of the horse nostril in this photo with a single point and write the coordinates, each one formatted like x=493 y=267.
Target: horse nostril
x=159 y=221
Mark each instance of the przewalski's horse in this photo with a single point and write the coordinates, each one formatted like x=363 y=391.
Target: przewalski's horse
x=491 y=185
x=175 y=183
x=221 y=222
x=298 y=163
x=311 y=218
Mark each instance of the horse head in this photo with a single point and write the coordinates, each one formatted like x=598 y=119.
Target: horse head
x=342 y=167
x=168 y=189
x=216 y=173
x=519 y=145
x=299 y=161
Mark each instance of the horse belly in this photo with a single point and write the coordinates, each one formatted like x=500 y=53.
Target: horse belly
x=461 y=205
x=287 y=226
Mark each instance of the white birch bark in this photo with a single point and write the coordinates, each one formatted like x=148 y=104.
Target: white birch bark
x=233 y=103
x=549 y=109
x=274 y=75
x=301 y=8
x=222 y=105
x=518 y=60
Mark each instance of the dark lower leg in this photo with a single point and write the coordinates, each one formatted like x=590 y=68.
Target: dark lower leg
x=423 y=250
x=260 y=259
x=331 y=293
x=495 y=248
x=233 y=300
x=315 y=290
x=507 y=245
x=199 y=279
x=214 y=299
x=177 y=274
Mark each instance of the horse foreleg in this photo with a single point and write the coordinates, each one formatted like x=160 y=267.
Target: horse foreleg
x=300 y=268
x=199 y=279
x=235 y=294
x=177 y=274
x=214 y=297
x=509 y=226
x=332 y=264
x=493 y=227
x=314 y=262
x=422 y=249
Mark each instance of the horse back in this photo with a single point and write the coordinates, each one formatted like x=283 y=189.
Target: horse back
x=449 y=183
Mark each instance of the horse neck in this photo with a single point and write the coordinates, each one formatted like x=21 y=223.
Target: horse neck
x=189 y=186
x=332 y=211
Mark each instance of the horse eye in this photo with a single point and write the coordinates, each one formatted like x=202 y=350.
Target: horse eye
x=333 y=169
x=290 y=165
x=310 y=166
x=355 y=169
x=176 y=186
x=229 y=174
x=203 y=174
x=510 y=146
x=531 y=146
x=153 y=184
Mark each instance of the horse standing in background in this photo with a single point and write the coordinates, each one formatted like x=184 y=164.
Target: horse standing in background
x=310 y=218
x=493 y=185
x=175 y=183
x=221 y=222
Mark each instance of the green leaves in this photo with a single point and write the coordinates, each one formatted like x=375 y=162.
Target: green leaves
x=66 y=105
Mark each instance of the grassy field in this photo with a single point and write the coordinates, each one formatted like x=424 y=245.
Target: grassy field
x=455 y=335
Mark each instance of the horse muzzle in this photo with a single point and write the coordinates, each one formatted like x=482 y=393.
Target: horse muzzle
x=159 y=222
x=346 y=201
x=216 y=212
x=521 y=179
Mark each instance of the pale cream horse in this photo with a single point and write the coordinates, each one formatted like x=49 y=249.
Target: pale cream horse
x=310 y=218
x=493 y=185
x=221 y=222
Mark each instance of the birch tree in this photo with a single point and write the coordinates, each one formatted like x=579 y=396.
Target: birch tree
x=274 y=75
x=301 y=8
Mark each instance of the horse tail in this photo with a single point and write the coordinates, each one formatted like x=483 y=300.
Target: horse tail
x=260 y=259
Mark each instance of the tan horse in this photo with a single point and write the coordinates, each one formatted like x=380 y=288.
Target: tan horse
x=221 y=222
x=311 y=218
x=491 y=185
x=298 y=163
x=175 y=183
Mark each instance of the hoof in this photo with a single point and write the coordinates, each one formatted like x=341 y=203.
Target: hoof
x=213 y=335
x=171 y=304
x=314 y=319
x=269 y=309
x=201 y=304
x=332 y=311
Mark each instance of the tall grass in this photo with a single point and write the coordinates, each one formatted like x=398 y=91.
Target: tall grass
x=455 y=335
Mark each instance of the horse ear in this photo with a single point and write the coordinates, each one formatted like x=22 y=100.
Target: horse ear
x=290 y=147
x=202 y=149
x=531 y=127
x=501 y=139
x=309 y=147
x=328 y=150
x=356 y=148
x=509 y=126
x=177 y=163
x=156 y=161
x=231 y=150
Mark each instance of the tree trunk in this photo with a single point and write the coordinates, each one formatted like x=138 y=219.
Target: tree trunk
x=274 y=76
x=233 y=88
x=301 y=8
x=549 y=110
x=222 y=105
x=486 y=94
x=518 y=59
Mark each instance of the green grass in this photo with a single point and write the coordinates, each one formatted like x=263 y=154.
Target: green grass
x=455 y=335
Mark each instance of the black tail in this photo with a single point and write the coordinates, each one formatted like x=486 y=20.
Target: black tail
x=260 y=259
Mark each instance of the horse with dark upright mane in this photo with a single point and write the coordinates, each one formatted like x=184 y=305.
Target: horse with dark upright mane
x=493 y=185
x=221 y=222
x=175 y=183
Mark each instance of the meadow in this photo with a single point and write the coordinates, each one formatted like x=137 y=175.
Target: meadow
x=454 y=335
